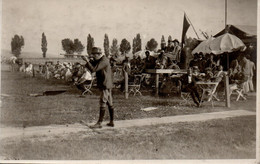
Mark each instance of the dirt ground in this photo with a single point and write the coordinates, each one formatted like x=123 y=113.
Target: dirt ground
x=222 y=139
x=231 y=138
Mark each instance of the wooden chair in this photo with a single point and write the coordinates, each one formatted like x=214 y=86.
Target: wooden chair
x=135 y=86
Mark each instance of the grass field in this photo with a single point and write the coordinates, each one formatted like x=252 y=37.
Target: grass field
x=233 y=138
x=19 y=109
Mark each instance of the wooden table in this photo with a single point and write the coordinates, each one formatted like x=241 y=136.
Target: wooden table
x=163 y=71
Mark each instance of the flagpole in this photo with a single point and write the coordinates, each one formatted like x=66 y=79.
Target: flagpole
x=225 y=15
x=226 y=30
x=192 y=25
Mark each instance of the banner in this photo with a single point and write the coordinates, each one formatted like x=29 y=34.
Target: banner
x=186 y=26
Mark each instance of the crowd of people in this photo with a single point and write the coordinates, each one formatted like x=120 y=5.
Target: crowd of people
x=74 y=73
x=207 y=68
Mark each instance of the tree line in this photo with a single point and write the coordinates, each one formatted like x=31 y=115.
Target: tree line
x=70 y=46
x=114 y=50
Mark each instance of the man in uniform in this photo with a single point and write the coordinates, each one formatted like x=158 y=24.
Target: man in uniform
x=102 y=67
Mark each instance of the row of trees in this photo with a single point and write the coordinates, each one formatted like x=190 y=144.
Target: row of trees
x=17 y=44
x=76 y=46
x=71 y=47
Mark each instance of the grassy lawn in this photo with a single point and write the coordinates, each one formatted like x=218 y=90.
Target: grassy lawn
x=19 y=109
x=232 y=138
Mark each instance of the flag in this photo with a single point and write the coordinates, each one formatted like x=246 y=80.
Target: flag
x=186 y=26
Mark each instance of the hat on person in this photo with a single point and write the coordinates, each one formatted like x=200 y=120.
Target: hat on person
x=175 y=40
x=96 y=50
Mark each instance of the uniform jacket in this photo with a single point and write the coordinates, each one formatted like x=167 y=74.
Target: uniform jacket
x=103 y=72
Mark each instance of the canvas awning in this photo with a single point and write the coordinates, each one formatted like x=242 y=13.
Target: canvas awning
x=244 y=32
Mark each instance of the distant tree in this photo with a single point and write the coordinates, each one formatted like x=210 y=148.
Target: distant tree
x=114 y=48
x=125 y=47
x=68 y=46
x=138 y=43
x=78 y=46
x=151 y=45
x=163 y=43
x=134 y=46
x=191 y=42
x=16 y=45
x=169 y=39
x=44 y=45
x=90 y=44
x=162 y=39
x=106 y=45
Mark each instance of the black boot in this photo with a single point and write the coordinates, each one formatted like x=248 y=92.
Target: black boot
x=100 y=120
x=111 y=114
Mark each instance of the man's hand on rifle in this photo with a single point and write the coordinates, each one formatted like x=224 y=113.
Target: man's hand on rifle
x=85 y=58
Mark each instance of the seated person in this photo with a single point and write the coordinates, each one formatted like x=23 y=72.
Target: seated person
x=137 y=66
x=149 y=61
x=84 y=79
x=161 y=62
x=238 y=78
x=218 y=73
x=210 y=62
x=208 y=74
x=187 y=85
x=196 y=75
x=195 y=61
x=234 y=66
x=134 y=62
x=171 y=46
x=77 y=72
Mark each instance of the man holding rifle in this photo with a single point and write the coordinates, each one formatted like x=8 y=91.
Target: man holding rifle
x=102 y=67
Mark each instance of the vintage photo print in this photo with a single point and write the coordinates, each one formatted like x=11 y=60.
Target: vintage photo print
x=140 y=81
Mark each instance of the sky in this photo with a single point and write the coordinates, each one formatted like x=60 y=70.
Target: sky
x=60 y=19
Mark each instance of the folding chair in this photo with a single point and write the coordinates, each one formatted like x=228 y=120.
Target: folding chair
x=186 y=97
x=87 y=87
x=136 y=85
x=234 y=88
x=208 y=91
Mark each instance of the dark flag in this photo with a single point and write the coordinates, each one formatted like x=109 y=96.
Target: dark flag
x=186 y=26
